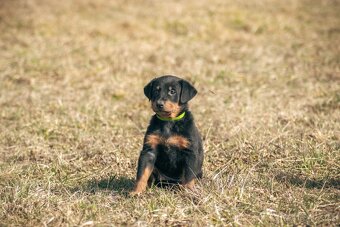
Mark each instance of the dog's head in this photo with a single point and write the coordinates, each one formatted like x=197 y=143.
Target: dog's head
x=169 y=95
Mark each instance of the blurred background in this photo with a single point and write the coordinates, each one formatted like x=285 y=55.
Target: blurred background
x=73 y=113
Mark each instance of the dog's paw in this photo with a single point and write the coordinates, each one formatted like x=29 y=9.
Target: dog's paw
x=135 y=193
x=189 y=185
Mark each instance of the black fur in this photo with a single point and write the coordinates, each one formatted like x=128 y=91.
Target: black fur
x=179 y=165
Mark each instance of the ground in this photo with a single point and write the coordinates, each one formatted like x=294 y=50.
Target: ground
x=73 y=113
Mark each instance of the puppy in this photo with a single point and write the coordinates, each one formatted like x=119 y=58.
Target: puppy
x=172 y=150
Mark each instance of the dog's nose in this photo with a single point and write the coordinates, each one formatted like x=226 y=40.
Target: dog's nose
x=160 y=104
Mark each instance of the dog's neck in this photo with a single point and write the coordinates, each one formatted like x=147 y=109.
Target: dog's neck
x=179 y=117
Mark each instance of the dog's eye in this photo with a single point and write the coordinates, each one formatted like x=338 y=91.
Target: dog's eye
x=172 y=92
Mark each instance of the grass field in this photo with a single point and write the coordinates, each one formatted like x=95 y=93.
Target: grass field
x=73 y=113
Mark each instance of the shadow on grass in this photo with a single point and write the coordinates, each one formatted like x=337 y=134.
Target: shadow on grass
x=302 y=181
x=120 y=185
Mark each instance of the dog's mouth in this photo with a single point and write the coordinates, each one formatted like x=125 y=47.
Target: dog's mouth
x=168 y=110
x=164 y=113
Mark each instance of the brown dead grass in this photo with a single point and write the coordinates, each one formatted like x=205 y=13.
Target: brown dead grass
x=73 y=114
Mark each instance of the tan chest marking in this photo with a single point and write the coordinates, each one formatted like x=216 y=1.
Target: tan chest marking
x=153 y=140
x=177 y=141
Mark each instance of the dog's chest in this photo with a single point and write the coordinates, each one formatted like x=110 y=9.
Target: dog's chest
x=173 y=143
x=170 y=129
x=169 y=159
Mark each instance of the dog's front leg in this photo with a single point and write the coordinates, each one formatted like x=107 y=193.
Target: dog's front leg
x=190 y=172
x=146 y=164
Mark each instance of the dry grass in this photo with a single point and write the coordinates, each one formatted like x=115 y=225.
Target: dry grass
x=73 y=114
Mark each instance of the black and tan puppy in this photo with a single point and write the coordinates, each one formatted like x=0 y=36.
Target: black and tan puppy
x=172 y=150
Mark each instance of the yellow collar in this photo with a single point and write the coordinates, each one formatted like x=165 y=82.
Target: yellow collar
x=179 y=117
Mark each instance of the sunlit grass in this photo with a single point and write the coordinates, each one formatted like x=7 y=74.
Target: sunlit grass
x=73 y=113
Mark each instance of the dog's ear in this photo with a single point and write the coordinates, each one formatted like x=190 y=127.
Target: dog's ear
x=187 y=92
x=148 y=89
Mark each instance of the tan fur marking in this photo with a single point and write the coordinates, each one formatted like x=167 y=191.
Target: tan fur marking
x=190 y=185
x=142 y=182
x=172 y=109
x=153 y=140
x=178 y=141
